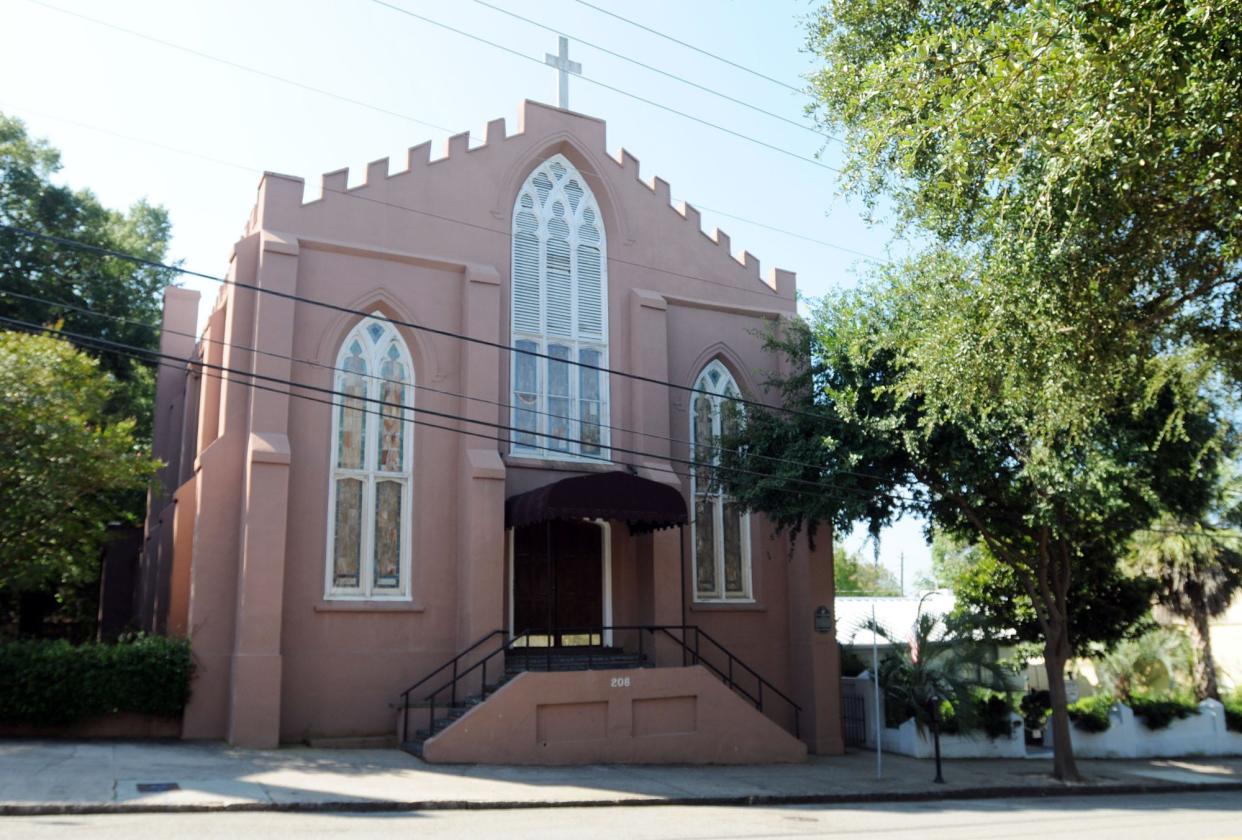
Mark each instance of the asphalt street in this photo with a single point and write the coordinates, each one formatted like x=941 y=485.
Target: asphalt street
x=1184 y=816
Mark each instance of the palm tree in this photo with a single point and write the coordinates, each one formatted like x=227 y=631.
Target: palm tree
x=1197 y=566
x=935 y=663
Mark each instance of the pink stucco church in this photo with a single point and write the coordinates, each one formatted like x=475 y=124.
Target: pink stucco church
x=438 y=471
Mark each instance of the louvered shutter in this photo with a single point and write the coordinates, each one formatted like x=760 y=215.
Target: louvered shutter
x=590 y=279
x=559 y=277
x=526 y=308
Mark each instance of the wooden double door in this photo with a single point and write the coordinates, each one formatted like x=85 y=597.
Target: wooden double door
x=558 y=582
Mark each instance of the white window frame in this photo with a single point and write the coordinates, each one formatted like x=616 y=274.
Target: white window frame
x=717 y=394
x=370 y=474
x=576 y=341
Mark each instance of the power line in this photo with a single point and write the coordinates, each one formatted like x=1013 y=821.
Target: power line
x=447 y=27
x=180 y=363
x=692 y=445
x=689 y=46
x=614 y=89
x=134 y=258
x=665 y=73
x=239 y=66
x=256 y=170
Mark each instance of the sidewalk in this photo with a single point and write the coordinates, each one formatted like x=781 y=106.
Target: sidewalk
x=42 y=777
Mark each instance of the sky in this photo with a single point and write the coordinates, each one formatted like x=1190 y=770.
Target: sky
x=187 y=127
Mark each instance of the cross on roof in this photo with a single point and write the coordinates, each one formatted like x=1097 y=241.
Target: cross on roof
x=562 y=63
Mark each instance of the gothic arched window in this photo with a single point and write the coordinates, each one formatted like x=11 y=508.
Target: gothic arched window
x=720 y=528
x=559 y=310
x=370 y=497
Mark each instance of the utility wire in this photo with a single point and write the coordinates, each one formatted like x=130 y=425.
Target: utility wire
x=239 y=66
x=717 y=126
x=138 y=260
x=256 y=170
x=692 y=445
x=181 y=363
x=447 y=27
x=665 y=73
x=689 y=46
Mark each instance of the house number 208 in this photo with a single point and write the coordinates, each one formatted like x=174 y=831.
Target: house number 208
x=620 y=682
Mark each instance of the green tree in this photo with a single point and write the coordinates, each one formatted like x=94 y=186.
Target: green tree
x=1067 y=172
x=1196 y=562
x=1071 y=171
x=64 y=459
x=1056 y=512
x=84 y=282
x=853 y=575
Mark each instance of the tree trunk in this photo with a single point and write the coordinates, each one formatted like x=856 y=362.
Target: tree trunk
x=1205 y=665
x=1056 y=653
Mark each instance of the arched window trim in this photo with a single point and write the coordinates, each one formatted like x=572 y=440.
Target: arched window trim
x=719 y=384
x=558 y=421
x=375 y=336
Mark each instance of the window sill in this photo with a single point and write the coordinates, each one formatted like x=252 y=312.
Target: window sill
x=368 y=607
x=728 y=606
x=560 y=463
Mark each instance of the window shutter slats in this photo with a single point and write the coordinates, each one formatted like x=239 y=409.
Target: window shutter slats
x=559 y=300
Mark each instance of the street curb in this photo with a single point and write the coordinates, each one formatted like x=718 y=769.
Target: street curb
x=1010 y=792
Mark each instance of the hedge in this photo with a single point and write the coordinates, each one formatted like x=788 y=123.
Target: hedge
x=1090 y=714
x=47 y=682
x=1158 y=713
x=1233 y=712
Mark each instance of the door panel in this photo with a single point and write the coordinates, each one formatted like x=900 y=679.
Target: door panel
x=566 y=589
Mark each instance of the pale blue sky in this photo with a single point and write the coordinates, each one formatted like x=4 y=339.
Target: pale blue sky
x=74 y=81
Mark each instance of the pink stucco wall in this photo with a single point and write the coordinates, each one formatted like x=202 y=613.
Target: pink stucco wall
x=275 y=660
x=647 y=716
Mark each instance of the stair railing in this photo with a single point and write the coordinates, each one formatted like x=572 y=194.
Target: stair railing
x=693 y=652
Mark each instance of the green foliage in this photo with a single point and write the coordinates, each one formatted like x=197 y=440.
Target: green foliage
x=855 y=576
x=944 y=666
x=1233 y=712
x=52 y=682
x=1035 y=706
x=1091 y=714
x=1105 y=607
x=29 y=199
x=1195 y=561
x=1159 y=661
x=991 y=714
x=63 y=461
x=1074 y=168
x=1159 y=712
x=851 y=663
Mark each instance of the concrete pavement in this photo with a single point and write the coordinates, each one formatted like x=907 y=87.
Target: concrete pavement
x=48 y=777
x=1207 y=815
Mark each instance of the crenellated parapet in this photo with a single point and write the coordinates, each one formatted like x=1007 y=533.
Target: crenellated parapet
x=282 y=197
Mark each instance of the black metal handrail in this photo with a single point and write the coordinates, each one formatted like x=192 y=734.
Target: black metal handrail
x=510 y=644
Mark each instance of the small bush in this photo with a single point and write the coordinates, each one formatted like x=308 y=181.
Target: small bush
x=993 y=714
x=851 y=663
x=1035 y=706
x=1233 y=712
x=48 y=682
x=1159 y=712
x=1090 y=714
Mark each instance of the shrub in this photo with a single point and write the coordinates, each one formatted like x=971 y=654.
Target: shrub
x=1090 y=714
x=1159 y=712
x=45 y=682
x=1233 y=711
x=1035 y=706
x=851 y=663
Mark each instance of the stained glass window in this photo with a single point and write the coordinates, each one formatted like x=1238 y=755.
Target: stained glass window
x=559 y=303
x=721 y=527
x=370 y=491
